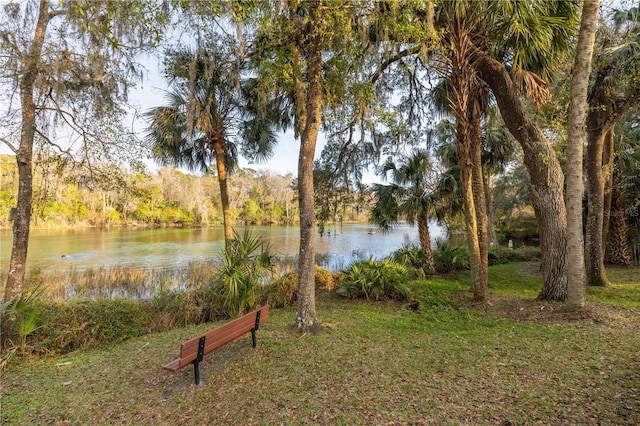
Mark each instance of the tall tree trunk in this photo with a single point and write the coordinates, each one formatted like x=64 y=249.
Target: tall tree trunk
x=425 y=241
x=577 y=296
x=24 y=158
x=478 y=290
x=306 y=320
x=547 y=180
x=597 y=119
x=609 y=164
x=461 y=80
x=224 y=191
x=618 y=245
x=491 y=221
x=477 y=182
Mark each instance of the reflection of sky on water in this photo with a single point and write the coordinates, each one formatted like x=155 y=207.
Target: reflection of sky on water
x=156 y=248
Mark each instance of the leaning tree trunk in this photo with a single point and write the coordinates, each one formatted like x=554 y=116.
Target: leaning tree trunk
x=425 y=241
x=547 y=180
x=594 y=248
x=24 y=158
x=306 y=320
x=218 y=147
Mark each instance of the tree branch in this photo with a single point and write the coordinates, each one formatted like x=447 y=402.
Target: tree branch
x=622 y=109
x=10 y=145
x=386 y=64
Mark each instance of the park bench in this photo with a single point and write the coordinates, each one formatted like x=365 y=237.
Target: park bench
x=193 y=350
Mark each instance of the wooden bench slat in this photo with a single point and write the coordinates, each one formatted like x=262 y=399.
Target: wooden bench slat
x=222 y=336
x=216 y=338
x=173 y=365
x=242 y=323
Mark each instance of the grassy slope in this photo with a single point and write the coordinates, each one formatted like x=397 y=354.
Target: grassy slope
x=372 y=364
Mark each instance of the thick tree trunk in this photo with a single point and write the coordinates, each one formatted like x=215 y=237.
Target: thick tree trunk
x=425 y=241
x=594 y=248
x=22 y=212
x=577 y=296
x=224 y=192
x=306 y=321
x=547 y=180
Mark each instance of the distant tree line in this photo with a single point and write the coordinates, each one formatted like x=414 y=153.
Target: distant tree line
x=117 y=196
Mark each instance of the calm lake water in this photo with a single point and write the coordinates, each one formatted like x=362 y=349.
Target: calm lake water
x=169 y=247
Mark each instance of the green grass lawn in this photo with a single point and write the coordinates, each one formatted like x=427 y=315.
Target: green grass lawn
x=449 y=363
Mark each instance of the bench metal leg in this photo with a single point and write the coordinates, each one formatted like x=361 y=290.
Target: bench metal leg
x=255 y=327
x=196 y=363
x=196 y=372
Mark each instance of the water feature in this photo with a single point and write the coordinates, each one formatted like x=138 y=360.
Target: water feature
x=81 y=249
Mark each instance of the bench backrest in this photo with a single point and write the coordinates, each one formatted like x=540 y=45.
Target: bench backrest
x=221 y=336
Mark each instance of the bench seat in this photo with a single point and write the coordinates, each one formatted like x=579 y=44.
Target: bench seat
x=193 y=350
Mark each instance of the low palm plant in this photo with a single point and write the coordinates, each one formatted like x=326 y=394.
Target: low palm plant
x=449 y=258
x=411 y=256
x=246 y=267
x=377 y=280
x=20 y=317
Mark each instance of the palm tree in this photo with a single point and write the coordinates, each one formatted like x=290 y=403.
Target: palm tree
x=516 y=49
x=409 y=197
x=205 y=116
x=467 y=101
x=625 y=191
x=498 y=151
x=613 y=92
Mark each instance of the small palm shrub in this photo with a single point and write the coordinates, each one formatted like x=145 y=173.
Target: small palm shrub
x=21 y=318
x=377 y=280
x=246 y=266
x=411 y=256
x=449 y=258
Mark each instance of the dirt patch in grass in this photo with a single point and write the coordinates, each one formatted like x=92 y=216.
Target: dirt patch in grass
x=547 y=312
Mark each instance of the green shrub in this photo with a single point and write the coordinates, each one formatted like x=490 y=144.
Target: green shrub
x=324 y=279
x=377 y=280
x=71 y=326
x=501 y=254
x=171 y=309
x=283 y=291
x=20 y=318
x=410 y=255
x=449 y=258
x=246 y=263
